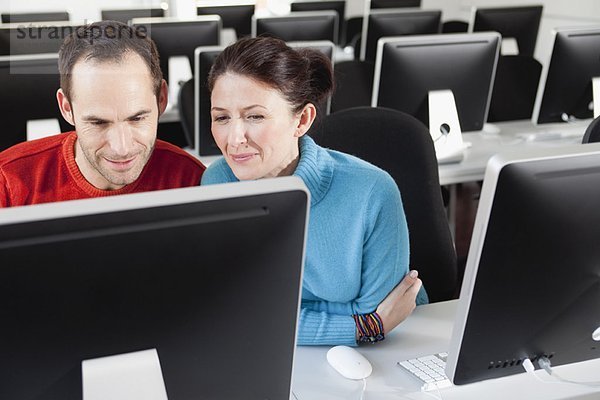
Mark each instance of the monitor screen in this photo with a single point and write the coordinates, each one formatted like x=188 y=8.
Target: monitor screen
x=407 y=68
x=338 y=6
x=127 y=15
x=298 y=26
x=565 y=90
x=236 y=16
x=532 y=281
x=386 y=23
x=29 y=84
x=208 y=277
x=204 y=59
x=395 y=3
x=34 y=17
x=175 y=37
x=33 y=38
x=519 y=23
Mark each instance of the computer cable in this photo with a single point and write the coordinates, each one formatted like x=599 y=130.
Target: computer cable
x=364 y=389
x=545 y=364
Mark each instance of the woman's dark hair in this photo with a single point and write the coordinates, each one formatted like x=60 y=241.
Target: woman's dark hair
x=107 y=41
x=301 y=75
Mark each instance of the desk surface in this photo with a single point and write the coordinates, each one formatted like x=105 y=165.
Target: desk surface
x=511 y=135
x=425 y=332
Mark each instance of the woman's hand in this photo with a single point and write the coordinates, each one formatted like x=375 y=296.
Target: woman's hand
x=400 y=302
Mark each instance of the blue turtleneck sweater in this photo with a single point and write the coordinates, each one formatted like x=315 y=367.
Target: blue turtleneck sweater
x=357 y=243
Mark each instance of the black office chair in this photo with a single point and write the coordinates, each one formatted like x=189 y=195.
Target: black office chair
x=515 y=88
x=354 y=84
x=186 y=107
x=455 y=26
x=592 y=133
x=402 y=146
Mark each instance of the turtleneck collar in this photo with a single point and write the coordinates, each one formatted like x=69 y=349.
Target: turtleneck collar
x=315 y=168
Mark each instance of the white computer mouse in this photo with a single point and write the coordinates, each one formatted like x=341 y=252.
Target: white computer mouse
x=349 y=362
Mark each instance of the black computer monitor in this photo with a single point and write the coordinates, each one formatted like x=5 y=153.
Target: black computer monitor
x=386 y=23
x=565 y=90
x=532 y=281
x=29 y=84
x=33 y=38
x=204 y=143
x=209 y=277
x=174 y=37
x=409 y=67
x=338 y=6
x=298 y=26
x=127 y=15
x=35 y=17
x=520 y=23
x=235 y=15
x=394 y=3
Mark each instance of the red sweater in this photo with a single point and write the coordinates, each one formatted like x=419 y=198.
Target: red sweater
x=44 y=170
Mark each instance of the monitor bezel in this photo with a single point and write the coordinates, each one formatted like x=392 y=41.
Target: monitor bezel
x=300 y=14
x=537 y=107
x=399 y=12
x=495 y=166
x=532 y=8
x=436 y=39
x=197 y=96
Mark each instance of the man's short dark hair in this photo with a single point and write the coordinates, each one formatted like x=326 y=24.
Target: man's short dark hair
x=107 y=41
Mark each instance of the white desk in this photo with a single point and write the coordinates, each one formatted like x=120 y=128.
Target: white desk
x=425 y=332
x=512 y=135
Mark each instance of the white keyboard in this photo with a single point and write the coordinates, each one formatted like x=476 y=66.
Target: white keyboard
x=429 y=370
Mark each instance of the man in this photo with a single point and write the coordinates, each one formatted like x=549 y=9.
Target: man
x=112 y=92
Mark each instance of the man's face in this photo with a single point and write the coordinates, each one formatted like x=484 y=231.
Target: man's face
x=115 y=112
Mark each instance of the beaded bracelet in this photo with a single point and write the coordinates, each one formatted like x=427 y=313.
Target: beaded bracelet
x=369 y=327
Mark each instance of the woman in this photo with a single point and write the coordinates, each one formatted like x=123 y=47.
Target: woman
x=263 y=101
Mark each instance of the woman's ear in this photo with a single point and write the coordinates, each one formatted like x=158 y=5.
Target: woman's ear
x=307 y=117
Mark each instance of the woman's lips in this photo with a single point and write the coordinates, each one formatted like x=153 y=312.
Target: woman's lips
x=242 y=157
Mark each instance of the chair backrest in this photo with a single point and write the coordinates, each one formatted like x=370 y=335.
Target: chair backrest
x=401 y=145
x=353 y=84
x=455 y=26
x=515 y=88
x=592 y=133
x=186 y=105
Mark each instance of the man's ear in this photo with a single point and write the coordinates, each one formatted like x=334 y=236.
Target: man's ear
x=163 y=97
x=65 y=107
x=307 y=117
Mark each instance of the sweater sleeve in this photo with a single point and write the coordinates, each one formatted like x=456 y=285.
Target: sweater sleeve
x=385 y=259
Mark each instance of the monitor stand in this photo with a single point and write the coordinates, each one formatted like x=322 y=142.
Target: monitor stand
x=444 y=127
x=596 y=95
x=509 y=47
x=129 y=376
x=180 y=72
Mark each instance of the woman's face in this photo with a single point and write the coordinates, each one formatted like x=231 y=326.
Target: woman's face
x=255 y=127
